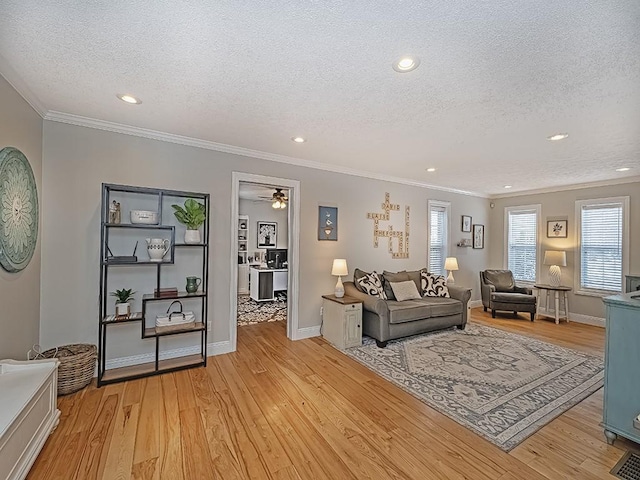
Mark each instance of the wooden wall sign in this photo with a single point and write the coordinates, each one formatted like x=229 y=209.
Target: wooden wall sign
x=388 y=232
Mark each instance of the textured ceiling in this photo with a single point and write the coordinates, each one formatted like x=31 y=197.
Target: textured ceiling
x=497 y=77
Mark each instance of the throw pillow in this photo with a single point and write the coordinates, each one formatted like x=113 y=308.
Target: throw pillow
x=405 y=290
x=433 y=285
x=357 y=275
x=372 y=285
x=415 y=276
x=388 y=277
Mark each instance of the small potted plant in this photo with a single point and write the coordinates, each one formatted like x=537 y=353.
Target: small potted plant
x=123 y=297
x=193 y=216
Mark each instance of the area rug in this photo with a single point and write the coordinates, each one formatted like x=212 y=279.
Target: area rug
x=501 y=385
x=251 y=312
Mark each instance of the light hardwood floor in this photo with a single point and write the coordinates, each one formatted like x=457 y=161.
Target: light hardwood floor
x=302 y=410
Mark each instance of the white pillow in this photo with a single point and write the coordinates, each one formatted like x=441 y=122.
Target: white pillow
x=433 y=285
x=405 y=290
x=371 y=284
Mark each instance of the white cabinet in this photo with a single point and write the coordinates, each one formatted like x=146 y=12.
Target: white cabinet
x=342 y=321
x=243 y=279
x=266 y=281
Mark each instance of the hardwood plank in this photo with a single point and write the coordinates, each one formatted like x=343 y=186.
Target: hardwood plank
x=278 y=409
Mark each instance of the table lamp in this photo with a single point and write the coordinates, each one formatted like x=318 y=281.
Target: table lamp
x=451 y=264
x=339 y=269
x=556 y=259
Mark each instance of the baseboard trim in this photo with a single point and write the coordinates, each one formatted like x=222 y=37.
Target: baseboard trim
x=587 y=319
x=475 y=303
x=307 y=332
x=217 y=348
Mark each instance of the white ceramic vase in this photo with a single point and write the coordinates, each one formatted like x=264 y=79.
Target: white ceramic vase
x=192 y=236
x=123 y=309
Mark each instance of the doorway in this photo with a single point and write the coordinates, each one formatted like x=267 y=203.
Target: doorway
x=265 y=250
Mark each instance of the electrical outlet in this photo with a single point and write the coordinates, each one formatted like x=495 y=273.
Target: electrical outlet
x=209 y=325
x=321 y=311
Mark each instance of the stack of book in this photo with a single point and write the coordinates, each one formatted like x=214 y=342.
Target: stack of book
x=165 y=292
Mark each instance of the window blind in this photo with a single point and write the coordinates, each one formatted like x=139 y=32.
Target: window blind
x=437 y=239
x=601 y=247
x=522 y=244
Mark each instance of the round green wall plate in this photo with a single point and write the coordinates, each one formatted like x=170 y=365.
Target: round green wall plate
x=18 y=210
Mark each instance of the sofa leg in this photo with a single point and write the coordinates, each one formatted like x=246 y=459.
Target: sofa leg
x=485 y=308
x=533 y=316
x=493 y=313
x=461 y=327
x=381 y=344
x=515 y=314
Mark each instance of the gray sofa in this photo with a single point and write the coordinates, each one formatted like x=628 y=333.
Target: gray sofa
x=386 y=320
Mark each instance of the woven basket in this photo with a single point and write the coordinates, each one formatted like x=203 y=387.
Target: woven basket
x=77 y=365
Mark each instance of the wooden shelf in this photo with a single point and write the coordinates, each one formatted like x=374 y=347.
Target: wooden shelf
x=191 y=245
x=150 y=297
x=150 y=226
x=146 y=262
x=166 y=331
x=114 y=319
x=146 y=369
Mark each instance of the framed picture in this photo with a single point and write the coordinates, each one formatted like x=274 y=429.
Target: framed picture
x=633 y=284
x=478 y=236
x=466 y=223
x=267 y=234
x=328 y=223
x=556 y=229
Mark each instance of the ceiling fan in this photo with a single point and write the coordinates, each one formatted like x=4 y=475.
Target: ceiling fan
x=278 y=199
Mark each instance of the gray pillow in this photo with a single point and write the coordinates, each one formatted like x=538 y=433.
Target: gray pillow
x=405 y=291
x=415 y=276
x=388 y=277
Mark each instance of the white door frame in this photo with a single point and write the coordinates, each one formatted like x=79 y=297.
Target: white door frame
x=293 y=244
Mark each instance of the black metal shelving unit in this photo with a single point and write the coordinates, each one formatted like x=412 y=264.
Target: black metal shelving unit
x=112 y=192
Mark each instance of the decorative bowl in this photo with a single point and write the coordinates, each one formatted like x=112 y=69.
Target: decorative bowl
x=146 y=217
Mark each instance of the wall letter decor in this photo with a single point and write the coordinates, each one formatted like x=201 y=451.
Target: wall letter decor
x=389 y=232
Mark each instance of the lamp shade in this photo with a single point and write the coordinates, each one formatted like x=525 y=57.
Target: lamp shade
x=555 y=257
x=339 y=267
x=451 y=263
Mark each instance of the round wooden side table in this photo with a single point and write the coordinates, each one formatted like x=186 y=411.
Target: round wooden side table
x=557 y=291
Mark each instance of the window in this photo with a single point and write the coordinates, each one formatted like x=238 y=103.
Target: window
x=522 y=241
x=438 y=236
x=603 y=238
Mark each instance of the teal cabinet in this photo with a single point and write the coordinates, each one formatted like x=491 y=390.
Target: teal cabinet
x=622 y=367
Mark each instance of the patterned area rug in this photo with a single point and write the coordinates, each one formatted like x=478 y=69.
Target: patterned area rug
x=251 y=312
x=501 y=385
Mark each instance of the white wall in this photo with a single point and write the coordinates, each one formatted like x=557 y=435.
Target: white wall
x=561 y=205
x=21 y=127
x=77 y=160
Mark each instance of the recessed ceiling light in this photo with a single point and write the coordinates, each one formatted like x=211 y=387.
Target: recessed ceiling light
x=558 y=136
x=431 y=169
x=129 y=99
x=406 y=63
x=298 y=139
x=508 y=186
x=623 y=169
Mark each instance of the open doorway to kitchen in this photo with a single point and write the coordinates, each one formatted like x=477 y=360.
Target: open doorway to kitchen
x=264 y=252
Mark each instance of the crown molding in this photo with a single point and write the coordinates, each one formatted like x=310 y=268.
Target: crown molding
x=564 y=188
x=246 y=152
x=11 y=76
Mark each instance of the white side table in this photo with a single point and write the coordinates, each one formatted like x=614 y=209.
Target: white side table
x=342 y=321
x=556 y=313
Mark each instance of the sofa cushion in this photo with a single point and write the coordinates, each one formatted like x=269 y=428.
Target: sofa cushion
x=443 y=307
x=506 y=297
x=388 y=277
x=433 y=285
x=407 y=311
x=501 y=279
x=415 y=276
x=405 y=290
x=371 y=284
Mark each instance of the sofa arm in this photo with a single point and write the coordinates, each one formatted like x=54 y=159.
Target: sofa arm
x=486 y=290
x=369 y=302
x=462 y=294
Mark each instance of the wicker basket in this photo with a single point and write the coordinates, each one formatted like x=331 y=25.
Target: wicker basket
x=77 y=365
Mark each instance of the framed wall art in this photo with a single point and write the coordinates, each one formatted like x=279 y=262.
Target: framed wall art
x=478 y=236
x=466 y=223
x=556 y=229
x=328 y=223
x=267 y=234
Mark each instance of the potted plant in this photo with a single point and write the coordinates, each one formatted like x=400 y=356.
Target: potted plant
x=123 y=297
x=193 y=216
